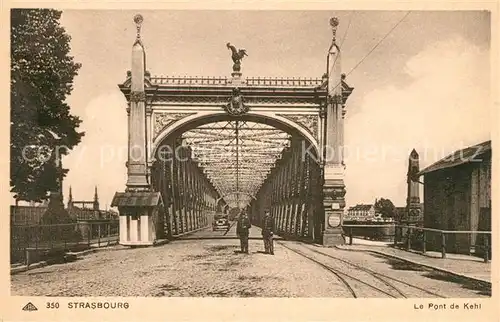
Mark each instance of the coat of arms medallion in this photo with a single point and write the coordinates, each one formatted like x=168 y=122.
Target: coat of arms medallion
x=236 y=105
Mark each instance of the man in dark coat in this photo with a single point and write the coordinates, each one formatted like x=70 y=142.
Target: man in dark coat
x=242 y=230
x=268 y=232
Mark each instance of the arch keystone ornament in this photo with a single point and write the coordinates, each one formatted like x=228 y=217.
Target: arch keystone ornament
x=236 y=107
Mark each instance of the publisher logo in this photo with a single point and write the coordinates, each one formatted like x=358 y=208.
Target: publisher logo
x=30 y=307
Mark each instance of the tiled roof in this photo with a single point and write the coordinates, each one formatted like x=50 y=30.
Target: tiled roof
x=459 y=157
x=136 y=199
x=361 y=207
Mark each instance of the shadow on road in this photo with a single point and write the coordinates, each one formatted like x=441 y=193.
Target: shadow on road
x=480 y=288
x=399 y=264
x=477 y=286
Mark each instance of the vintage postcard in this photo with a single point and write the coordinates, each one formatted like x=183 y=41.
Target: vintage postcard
x=216 y=162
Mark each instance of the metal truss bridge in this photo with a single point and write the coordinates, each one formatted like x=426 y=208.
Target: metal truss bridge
x=211 y=144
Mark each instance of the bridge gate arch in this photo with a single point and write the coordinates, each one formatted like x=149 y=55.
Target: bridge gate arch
x=160 y=109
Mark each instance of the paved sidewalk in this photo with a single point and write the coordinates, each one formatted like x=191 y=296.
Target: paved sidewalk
x=460 y=265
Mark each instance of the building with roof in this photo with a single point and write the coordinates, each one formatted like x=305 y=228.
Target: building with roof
x=457 y=197
x=88 y=210
x=360 y=212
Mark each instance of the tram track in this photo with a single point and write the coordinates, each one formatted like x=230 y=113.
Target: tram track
x=342 y=276
x=385 y=282
x=378 y=275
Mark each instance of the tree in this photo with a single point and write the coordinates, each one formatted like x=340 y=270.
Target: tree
x=42 y=73
x=385 y=207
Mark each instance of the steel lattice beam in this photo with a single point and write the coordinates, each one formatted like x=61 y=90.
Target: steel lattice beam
x=237 y=165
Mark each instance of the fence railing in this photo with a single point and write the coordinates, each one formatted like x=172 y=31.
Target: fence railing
x=429 y=236
x=60 y=237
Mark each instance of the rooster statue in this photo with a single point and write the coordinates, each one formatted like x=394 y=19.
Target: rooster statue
x=237 y=56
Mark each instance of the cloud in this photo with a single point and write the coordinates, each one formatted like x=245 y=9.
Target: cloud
x=445 y=107
x=100 y=158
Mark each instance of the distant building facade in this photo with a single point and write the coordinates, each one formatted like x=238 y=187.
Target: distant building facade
x=360 y=212
x=79 y=210
x=88 y=210
x=457 y=197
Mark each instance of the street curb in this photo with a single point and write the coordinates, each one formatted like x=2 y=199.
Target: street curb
x=24 y=268
x=440 y=269
x=160 y=242
x=92 y=250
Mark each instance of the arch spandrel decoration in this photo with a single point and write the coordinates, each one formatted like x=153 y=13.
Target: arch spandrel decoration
x=163 y=120
x=185 y=121
x=307 y=121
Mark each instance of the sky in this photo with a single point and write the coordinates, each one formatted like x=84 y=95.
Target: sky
x=426 y=86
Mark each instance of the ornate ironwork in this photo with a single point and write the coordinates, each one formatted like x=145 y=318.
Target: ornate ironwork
x=137 y=97
x=284 y=82
x=334 y=23
x=138 y=19
x=162 y=120
x=189 y=80
x=214 y=149
x=333 y=193
x=307 y=121
x=249 y=81
x=236 y=105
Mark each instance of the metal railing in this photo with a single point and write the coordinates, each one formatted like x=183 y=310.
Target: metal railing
x=189 y=80
x=372 y=231
x=279 y=81
x=425 y=233
x=422 y=234
x=40 y=239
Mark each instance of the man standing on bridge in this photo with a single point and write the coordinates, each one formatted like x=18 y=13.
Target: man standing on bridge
x=242 y=230
x=267 y=232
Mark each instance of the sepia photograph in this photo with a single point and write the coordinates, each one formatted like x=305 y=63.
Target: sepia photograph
x=251 y=154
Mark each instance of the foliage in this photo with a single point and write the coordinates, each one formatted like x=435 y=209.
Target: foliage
x=42 y=73
x=57 y=215
x=385 y=207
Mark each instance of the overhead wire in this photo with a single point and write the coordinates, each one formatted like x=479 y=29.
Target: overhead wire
x=347 y=29
x=343 y=39
x=375 y=47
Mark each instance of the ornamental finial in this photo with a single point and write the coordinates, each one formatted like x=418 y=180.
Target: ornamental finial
x=334 y=22
x=138 y=19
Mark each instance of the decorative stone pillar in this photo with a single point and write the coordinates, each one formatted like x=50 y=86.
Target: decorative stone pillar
x=333 y=172
x=137 y=167
x=414 y=211
x=138 y=205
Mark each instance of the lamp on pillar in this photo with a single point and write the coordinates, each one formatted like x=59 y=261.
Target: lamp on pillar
x=333 y=173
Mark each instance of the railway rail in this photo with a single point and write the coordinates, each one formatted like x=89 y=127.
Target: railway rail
x=367 y=280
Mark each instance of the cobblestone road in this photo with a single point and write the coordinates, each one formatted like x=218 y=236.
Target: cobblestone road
x=215 y=268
